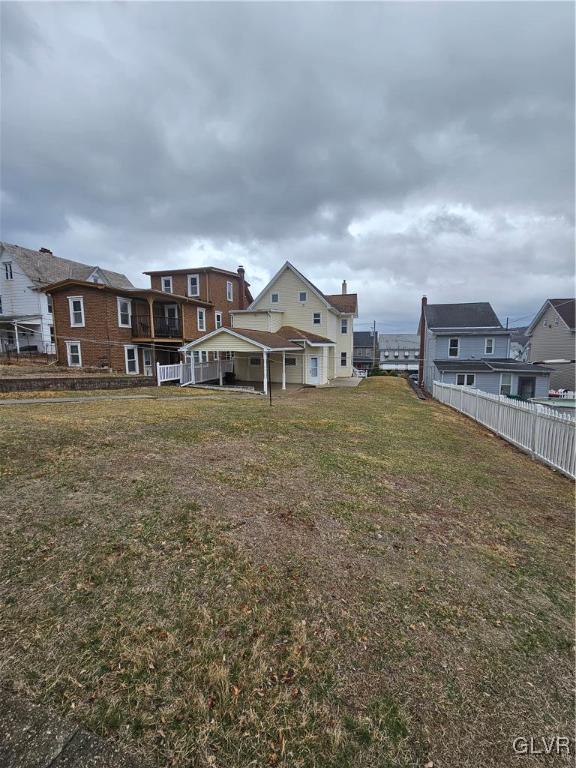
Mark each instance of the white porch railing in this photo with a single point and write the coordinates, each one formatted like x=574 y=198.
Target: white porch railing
x=359 y=373
x=188 y=373
x=546 y=434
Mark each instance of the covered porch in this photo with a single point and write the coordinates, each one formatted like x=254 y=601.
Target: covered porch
x=256 y=358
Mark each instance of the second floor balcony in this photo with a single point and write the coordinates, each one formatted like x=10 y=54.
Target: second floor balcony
x=156 y=327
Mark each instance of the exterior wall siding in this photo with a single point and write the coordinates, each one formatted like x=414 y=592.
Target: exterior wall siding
x=554 y=341
x=212 y=287
x=471 y=347
x=19 y=298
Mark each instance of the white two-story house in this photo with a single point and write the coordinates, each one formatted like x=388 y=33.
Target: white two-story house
x=291 y=333
x=465 y=344
x=26 y=321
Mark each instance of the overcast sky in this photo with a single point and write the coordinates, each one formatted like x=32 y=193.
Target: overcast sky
x=408 y=147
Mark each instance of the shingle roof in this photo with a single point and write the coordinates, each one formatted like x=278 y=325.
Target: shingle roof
x=343 y=302
x=566 y=308
x=490 y=366
x=466 y=315
x=289 y=332
x=364 y=339
x=399 y=340
x=43 y=268
x=266 y=338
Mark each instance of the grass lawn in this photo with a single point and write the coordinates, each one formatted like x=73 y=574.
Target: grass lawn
x=350 y=578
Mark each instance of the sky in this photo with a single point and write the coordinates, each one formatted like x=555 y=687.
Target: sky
x=409 y=148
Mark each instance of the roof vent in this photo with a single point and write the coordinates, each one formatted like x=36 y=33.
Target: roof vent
x=46 y=250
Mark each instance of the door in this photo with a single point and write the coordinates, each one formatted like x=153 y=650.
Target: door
x=313 y=373
x=526 y=387
x=147 y=362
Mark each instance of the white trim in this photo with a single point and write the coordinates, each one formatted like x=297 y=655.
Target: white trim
x=97 y=272
x=343 y=364
x=465 y=382
x=162 y=288
x=486 y=340
x=217 y=313
x=188 y=288
x=201 y=313
x=71 y=299
x=229 y=290
x=314 y=318
x=343 y=322
x=120 y=299
x=505 y=373
x=68 y=353
x=135 y=348
x=457 y=355
x=275 y=293
x=534 y=323
x=309 y=285
x=237 y=335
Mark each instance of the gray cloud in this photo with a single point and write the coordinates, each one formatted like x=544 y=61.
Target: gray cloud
x=416 y=147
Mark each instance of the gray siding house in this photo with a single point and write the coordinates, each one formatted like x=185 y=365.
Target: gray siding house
x=399 y=351
x=465 y=344
x=552 y=339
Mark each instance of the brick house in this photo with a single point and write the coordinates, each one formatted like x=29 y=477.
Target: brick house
x=130 y=330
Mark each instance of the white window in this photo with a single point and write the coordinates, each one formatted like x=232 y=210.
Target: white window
x=386 y=353
x=316 y=318
x=344 y=325
x=229 y=290
x=50 y=304
x=52 y=335
x=255 y=361
x=489 y=346
x=196 y=356
x=131 y=359
x=505 y=383
x=201 y=316
x=454 y=347
x=302 y=296
x=76 y=307
x=468 y=379
x=396 y=354
x=74 y=354
x=274 y=298
x=343 y=358
x=290 y=361
x=204 y=356
x=167 y=284
x=124 y=312
x=406 y=355
x=218 y=319
x=193 y=285
x=8 y=270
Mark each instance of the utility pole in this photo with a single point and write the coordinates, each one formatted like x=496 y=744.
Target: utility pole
x=374 y=345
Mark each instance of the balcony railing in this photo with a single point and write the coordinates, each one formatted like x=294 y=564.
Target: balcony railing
x=164 y=327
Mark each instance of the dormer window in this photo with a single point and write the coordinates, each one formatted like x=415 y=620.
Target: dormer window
x=167 y=284
x=193 y=285
x=489 y=346
x=454 y=347
x=274 y=298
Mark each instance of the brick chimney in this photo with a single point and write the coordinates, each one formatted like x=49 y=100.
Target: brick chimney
x=422 y=339
x=344 y=287
x=242 y=287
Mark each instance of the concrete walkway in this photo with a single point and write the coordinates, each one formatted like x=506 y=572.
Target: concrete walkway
x=91 y=398
x=32 y=736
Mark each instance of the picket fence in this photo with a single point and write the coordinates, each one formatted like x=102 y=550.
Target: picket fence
x=188 y=373
x=546 y=434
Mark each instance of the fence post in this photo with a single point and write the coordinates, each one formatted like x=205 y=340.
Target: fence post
x=535 y=425
x=461 y=398
x=158 y=374
x=477 y=400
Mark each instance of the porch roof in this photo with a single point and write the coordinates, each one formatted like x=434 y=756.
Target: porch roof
x=491 y=366
x=263 y=341
x=296 y=334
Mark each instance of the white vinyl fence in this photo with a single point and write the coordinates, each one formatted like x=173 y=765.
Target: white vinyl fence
x=546 y=434
x=188 y=373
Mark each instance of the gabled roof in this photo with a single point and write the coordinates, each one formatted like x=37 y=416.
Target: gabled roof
x=43 y=268
x=465 y=315
x=399 y=340
x=343 y=303
x=566 y=309
x=265 y=340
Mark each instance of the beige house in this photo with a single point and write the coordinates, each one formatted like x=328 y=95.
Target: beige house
x=291 y=333
x=551 y=340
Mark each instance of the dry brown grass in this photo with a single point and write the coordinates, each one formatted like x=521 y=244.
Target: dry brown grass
x=351 y=578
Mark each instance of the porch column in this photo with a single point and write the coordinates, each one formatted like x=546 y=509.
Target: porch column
x=283 y=370
x=16 y=337
x=151 y=315
x=265 y=361
x=220 y=369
